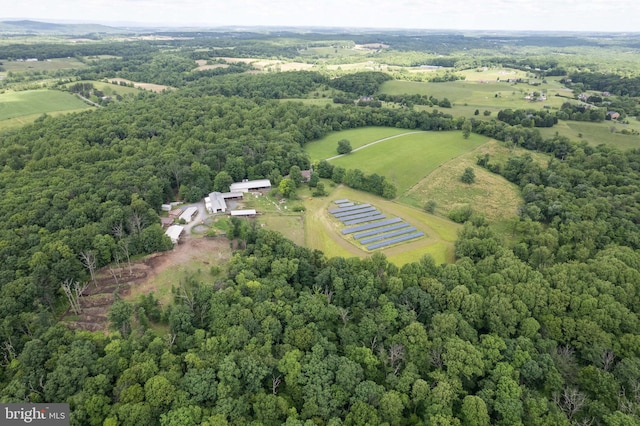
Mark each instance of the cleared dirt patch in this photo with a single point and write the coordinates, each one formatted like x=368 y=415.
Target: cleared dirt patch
x=155 y=273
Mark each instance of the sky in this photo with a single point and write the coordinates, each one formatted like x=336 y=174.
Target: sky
x=536 y=15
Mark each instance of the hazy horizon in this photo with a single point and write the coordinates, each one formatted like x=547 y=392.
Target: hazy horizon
x=490 y=15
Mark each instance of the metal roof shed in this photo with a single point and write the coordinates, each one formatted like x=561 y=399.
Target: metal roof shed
x=174 y=232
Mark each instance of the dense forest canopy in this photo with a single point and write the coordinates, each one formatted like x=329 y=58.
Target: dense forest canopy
x=536 y=324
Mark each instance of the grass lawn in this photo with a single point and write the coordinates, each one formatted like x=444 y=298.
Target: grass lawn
x=322 y=231
x=37 y=102
x=326 y=147
x=406 y=160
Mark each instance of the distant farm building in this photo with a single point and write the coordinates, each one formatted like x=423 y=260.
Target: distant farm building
x=174 y=232
x=166 y=221
x=613 y=115
x=188 y=214
x=251 y=185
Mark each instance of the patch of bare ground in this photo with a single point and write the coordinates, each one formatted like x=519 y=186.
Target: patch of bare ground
x=141 y=278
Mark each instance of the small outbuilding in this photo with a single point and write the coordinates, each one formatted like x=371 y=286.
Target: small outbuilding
x=188 y=214
x=174 y=232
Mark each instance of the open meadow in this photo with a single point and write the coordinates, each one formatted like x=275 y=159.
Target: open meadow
x=491 y=194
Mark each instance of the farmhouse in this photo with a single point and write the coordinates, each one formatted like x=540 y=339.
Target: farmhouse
x=174 y=232
x=251 y=185
x=613 y=115
x=188 y=214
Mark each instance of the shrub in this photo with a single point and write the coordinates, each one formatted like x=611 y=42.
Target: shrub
x=430 y=206
x=460 y=214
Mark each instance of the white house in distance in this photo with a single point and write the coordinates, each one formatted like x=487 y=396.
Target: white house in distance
x=174 y=232
x=251 y=185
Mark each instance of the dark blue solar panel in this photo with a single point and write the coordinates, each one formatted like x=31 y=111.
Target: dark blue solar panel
x=343 y=201
x=395 y=240
x=359 y=215
x=365 y=219
x=380 y=230
x=371 y=225
x=346 y=209
x=352 y=212
x=343 y=205
x=386 y=236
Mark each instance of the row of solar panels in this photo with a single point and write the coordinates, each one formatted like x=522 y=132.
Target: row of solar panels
x=376 y=227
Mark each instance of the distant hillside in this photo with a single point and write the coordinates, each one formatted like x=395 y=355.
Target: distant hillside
x=36 y=27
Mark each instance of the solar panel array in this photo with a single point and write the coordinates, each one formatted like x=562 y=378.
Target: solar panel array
x=376 y=231
x=347 y=219
x=395 y=240
x=389 y=235
x=372 y=226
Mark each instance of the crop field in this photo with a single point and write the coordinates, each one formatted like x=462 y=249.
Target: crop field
x=407 y=159
x=491 y=194
x=326 y=147
x=37 y=102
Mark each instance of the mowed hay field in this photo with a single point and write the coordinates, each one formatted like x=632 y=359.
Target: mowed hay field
x=327 y=147
x=491 y=194
x=407 y=159
x=18 y=108
x=323 y=232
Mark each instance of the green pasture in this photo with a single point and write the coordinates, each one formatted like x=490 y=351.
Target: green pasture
x=111 y=89
x=37 y=102
x=47 y=65
x=467 y=96
x=407 y=159
x=326 y=147
x=606 y=132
